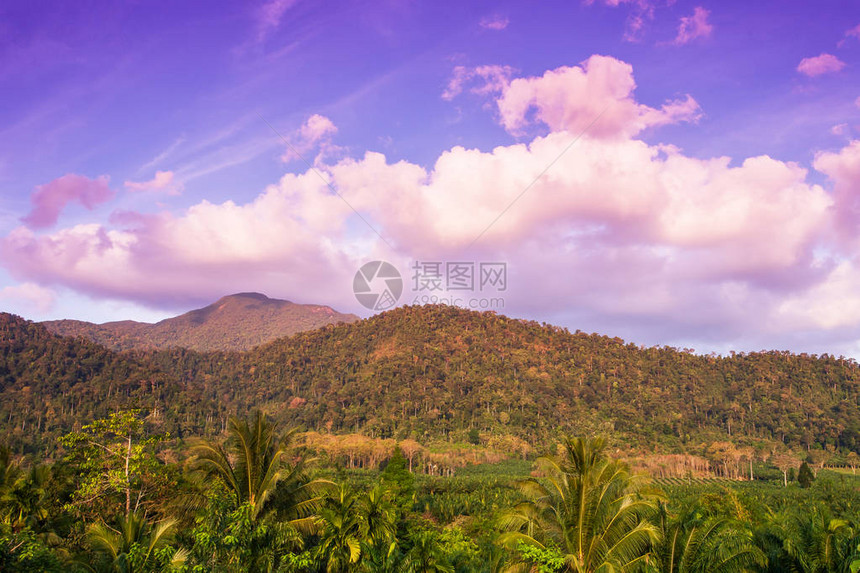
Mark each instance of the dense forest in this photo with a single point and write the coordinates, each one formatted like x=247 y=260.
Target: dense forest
x=445 y=378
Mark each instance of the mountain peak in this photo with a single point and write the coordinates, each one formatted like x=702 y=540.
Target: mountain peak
x=234 y=322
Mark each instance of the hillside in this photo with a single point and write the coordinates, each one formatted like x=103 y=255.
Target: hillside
x=236 y=322
x=437 y=373
x=50 y=385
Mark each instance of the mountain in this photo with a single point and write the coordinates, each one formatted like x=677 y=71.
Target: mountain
x=236 y=322
x=437 y=373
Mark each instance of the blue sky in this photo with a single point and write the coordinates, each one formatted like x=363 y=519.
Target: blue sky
x=140 y=176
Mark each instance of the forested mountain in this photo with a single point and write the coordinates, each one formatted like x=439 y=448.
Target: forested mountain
x=236 y=322
x=441 y=374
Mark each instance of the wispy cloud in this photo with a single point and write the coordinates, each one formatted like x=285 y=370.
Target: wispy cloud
x=155 y=161
x=269 y=16
x=695 y=26
x=494 y=22
x=162 y=181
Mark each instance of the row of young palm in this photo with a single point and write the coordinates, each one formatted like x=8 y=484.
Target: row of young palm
x=255 y=502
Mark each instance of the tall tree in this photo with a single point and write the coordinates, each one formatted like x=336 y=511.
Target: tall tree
x=114 y=455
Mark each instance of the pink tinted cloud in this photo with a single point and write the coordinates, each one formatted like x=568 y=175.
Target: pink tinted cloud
x=843 y=170
x=571 y=98
x=270 y=14
x=695 y=26
x=49 y=200
x=162 y=181
x=495 y=22
x=483 y=79
x=29 y=297
x=641 y=12
x=315 y=133
x=818 y=65
x=626 y=230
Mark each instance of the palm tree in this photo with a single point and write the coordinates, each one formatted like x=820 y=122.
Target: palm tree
x=135 y=546
x=426 y=556
x=587 y=506
x=253 y=466
x=24 y=500
x=379 y=517
x=341 y=531
x=694 y=543
x=810 y=542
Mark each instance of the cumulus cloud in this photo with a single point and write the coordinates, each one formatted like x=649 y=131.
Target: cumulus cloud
x=49 y=200
x=571 y=98
x=28 y=297
x=695 y=26
x=818 y=65
x=162 y=181
x=315 y=133
x=618 y=228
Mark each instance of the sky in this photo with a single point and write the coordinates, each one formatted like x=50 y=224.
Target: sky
x=671 y=172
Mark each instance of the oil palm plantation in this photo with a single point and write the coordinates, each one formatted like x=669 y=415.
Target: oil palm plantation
x=695 y=543
x=588 y=507
x=811 y=541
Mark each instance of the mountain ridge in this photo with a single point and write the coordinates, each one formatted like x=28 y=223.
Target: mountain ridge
x=239 y=321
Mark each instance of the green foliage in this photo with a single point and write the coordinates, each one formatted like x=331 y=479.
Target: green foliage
x=135 y=546
x=114 y=456
x=547 y=559
x=399 y=479
x=24 y=552
x=805 y=476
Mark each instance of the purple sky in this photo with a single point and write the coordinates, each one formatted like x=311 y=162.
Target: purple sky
x=691 y=168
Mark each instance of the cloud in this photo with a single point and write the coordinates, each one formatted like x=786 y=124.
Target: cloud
x=840 y=129
x=495 y=22
x=269 y=16
x=163 y=181
x=49 y=200
x=484 y=80
x=29 y=297
x=818 y=65
x=843 y=169
x=617 y=231
x=571 y=98
x=695 y=26
x=315 y=133
x=853 y=32
x=641 y=12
